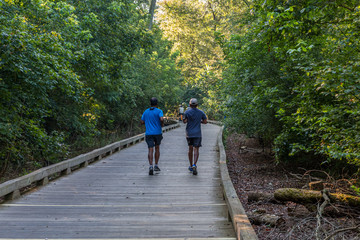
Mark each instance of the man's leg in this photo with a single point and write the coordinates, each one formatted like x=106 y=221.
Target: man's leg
x=150 y=158
x=150 y=155
x=197 y=145
x=157 y=154
x=190 y=154
x=196 y=154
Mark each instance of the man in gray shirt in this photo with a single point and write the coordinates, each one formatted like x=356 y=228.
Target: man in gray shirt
x=194 y=117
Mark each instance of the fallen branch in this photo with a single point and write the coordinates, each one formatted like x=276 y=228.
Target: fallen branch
x=317 y=185
x=307 y=173
x=320 y=212
x=297 y=176
x=342 y=230
x=248 y=149
x=329 y=178
x=307 y=197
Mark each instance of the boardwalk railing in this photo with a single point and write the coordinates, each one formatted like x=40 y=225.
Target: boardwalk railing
x=237 y=214
x=12 y=189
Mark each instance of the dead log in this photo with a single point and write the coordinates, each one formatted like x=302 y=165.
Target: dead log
x=260 y=196
x=267 y=219
x=306 y=197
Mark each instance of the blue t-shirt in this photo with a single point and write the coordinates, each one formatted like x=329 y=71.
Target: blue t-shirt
x=193 y=127
x=151 y=117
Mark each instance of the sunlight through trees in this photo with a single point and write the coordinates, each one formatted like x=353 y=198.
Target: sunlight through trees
x=285 y=72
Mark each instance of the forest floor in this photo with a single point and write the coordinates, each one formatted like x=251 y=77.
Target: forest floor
x=252 y=170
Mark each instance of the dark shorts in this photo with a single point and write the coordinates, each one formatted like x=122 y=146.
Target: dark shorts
x=195 y=142
x=153 y=140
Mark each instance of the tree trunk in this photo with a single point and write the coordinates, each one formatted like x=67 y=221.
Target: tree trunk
x=151 y=12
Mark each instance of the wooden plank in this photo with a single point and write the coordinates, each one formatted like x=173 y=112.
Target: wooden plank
x=11 y=188
x=116 y=198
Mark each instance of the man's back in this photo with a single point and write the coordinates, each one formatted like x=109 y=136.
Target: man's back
x=151 y=117
x=194 y=117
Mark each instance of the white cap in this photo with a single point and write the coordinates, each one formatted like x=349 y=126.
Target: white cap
x=193 y=102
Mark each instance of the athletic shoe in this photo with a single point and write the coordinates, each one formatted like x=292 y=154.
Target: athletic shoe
x=151 y=170
x=194 y=169
x=156 y=168
x=190 y=169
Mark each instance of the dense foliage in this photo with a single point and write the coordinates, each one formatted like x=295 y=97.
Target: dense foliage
x=293 y=78
x=194 y=25
x=285 y=71
x=71 y=71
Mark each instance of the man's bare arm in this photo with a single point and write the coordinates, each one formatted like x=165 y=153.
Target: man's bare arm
x=204 y=121
x=162 y=121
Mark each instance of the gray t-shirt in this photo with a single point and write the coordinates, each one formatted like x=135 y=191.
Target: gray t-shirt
x=193 y=127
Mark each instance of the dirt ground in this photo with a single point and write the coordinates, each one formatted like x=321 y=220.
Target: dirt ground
x=251 y=169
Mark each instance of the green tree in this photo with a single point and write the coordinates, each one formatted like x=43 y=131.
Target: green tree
x=293 y=75
x=192 y=25
x=68 y=73
x=37 y=83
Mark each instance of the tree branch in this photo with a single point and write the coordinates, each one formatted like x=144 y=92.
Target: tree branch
x=320 y=212
x=342 y=230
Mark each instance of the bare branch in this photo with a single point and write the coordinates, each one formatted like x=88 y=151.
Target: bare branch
x=320 y=212
x=342 y=230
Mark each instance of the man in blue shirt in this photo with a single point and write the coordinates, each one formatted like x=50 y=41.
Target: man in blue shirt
x=153 y=118
x=194 y=117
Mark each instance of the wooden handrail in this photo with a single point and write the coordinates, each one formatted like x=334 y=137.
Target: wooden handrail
x=11 y=189
x=215 y=122
x=237 y=214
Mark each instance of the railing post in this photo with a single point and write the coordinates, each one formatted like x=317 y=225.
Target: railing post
x=67 y=171
x=43 y=181
x=85 y=164
x=13 y=195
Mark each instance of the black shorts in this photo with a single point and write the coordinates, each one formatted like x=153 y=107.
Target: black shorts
x=153 y=140
x=195 y=142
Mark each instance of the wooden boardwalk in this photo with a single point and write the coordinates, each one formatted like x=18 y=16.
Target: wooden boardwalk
x=115 y=198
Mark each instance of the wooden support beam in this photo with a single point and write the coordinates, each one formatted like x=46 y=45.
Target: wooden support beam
x=13 y=195
x=84 y=164
x=43 y=181
x=66 y=171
